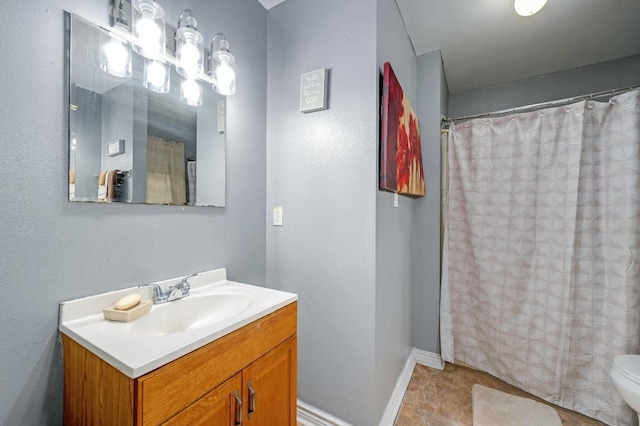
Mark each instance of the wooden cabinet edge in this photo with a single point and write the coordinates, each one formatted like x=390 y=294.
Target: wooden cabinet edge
x=94 y=391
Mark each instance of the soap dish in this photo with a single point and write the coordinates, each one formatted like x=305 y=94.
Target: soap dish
x=128 y=315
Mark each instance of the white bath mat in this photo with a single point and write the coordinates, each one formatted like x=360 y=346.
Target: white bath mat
x=495 y=408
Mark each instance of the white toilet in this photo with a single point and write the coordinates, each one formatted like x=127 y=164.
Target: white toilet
x=626 y=376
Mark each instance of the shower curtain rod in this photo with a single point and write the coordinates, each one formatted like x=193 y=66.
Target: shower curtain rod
x=446 y=122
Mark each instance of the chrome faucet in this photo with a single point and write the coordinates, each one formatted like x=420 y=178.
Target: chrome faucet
x=174 y=292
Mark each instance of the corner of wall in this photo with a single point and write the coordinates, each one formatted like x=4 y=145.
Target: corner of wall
x=426 y=263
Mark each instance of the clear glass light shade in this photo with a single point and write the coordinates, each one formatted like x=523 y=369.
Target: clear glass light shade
x=148 y=29
x=115 y=56
x=156 y=75
x=191 y=92
x=222 y=67
x=189 y=47
x=528 y=7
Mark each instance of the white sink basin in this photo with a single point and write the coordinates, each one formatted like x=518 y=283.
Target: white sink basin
x=215 y=308
x=190 y=313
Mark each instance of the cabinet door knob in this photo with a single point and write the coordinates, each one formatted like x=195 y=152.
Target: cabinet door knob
x=252 y=399
x=238 y=409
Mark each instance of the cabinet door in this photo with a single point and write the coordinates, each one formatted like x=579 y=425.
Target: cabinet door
x=270 y=387
x=219 y=407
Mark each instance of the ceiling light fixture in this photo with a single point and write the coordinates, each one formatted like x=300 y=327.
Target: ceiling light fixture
x=528 y=7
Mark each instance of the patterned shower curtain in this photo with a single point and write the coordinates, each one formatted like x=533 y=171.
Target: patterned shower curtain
x=166 y=182
x=541 y=259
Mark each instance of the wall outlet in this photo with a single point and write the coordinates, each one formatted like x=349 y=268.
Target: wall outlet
x=277 y=216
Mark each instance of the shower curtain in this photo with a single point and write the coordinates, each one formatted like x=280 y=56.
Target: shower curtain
x=166 y=182
x=541 y=259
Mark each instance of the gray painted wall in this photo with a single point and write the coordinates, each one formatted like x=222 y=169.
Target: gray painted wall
x=137 y=182
x=608 y=75
x=117 y=110
x=322 y=168
x=211 y=150
x=87 y=156
x=54 y=250
x=394 y=227
x=432 y=103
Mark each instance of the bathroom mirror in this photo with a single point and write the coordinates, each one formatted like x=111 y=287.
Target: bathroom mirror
x=128 y=144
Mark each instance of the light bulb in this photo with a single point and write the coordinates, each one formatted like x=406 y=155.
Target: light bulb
x=117 y=57
x=146 y=28
x=191 y=93
x=156 y=73
x=221 y=65
x=225 y=77
x=189 y=56
x=225 y=74
x=528 y=7
x=148 y=35
x=189 y=47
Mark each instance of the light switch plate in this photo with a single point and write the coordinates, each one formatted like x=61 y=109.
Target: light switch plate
x=115 y=148
x=277 y=216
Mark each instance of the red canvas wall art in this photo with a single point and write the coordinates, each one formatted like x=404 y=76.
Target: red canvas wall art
x=400 y=154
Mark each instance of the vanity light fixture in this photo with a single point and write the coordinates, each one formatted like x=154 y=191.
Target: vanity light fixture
x=189 y=46
x=148 y=29
x=222 y=66
x=528 y=7
x=146 y=35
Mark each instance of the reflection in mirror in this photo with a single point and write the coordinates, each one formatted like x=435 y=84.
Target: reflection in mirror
x=128 y=144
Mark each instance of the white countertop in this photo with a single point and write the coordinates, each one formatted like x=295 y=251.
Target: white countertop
x=134 y=349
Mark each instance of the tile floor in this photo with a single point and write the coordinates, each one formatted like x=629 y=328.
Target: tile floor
x=443 y=398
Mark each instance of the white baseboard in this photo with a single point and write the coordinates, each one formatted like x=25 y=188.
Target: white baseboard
x=308 y=415
x=428 y=359
x=395 y=401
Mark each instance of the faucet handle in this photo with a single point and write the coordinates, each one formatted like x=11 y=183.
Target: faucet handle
x=158 y=294
x=184 y=284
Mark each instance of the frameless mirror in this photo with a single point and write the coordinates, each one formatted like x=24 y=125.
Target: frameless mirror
x=128 y=144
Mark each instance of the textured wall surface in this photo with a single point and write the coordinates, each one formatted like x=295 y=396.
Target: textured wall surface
x=608 y=75
x=432 y=95
x=395 y=227
x=321 y=167
x=53 y=250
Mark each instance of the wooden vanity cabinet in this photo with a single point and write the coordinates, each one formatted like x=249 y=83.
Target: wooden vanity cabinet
x=248 y=375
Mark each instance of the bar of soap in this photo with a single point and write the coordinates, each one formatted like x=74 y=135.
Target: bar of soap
x=130 y=314
x=127 y=302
